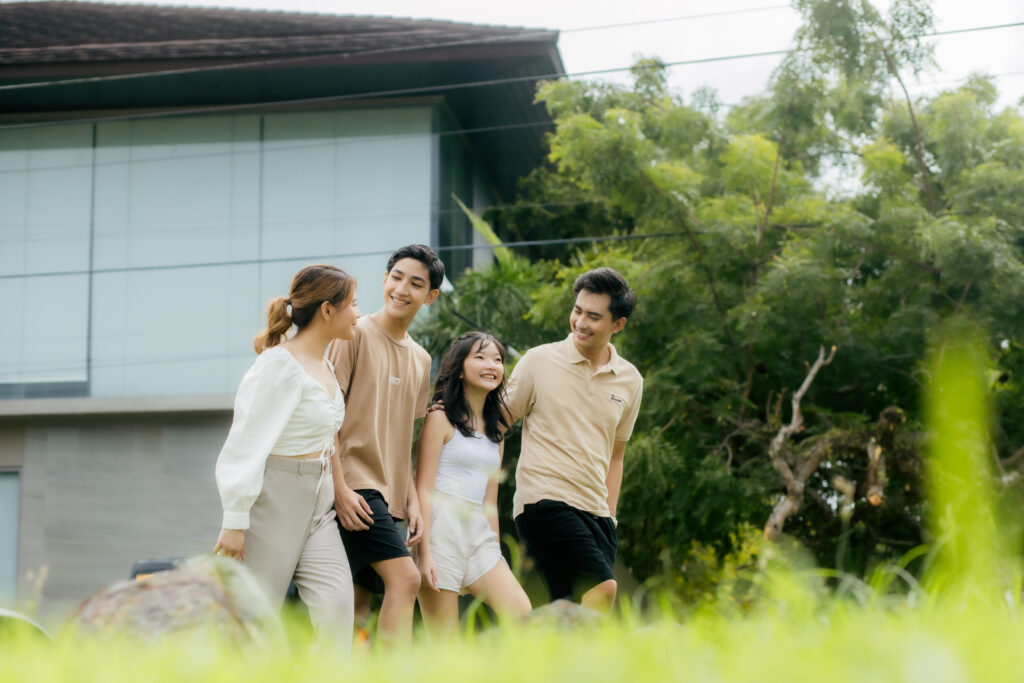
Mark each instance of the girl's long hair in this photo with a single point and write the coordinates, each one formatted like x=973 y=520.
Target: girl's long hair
x=448 y=388
x=311 y=286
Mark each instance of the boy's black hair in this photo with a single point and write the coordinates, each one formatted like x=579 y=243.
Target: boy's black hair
x=608 y=281
x=424 y=255
x=448 y=388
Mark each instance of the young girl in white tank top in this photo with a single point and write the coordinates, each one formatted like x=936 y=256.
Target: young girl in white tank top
x=457 y=463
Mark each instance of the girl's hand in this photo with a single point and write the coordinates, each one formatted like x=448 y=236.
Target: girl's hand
x=415 y=519
x=231 y=542
x=428 y=571
x=353 y=511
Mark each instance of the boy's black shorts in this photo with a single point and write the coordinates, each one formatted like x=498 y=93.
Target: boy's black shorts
x=384 y=540
x=574 y=550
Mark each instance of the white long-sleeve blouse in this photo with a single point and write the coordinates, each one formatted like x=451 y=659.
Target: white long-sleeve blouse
x=279 y=409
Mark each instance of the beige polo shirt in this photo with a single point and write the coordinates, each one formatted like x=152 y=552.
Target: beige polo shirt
x=387 y=386
x=572 y=417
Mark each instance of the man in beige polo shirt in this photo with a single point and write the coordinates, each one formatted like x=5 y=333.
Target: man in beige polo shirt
x=579 y=401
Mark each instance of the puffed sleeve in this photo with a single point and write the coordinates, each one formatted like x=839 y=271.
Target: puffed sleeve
x=266 y=399
x=519 y=396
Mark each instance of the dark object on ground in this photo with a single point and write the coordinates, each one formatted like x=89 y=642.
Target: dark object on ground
x=143 y=569
x=205 y=594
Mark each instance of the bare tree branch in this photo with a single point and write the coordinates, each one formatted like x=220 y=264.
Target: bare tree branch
x=795 y=483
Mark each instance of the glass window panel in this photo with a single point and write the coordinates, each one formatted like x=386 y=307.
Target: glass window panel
x=45 y=199
x=178 y=191
x=345 y=182
x=173 y=331
x=49 y=342
x=9 y=504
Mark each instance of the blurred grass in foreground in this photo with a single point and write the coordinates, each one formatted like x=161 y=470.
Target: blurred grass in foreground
x=957 y=619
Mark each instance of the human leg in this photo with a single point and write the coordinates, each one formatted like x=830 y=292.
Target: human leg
x=324 y=581
x=440 y=611
x=500 y=589
x=279 y=523
x=601 y=597
x=401 y=584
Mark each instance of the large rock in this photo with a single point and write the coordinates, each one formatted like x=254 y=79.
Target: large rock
x=202 y=595
x=566 y=614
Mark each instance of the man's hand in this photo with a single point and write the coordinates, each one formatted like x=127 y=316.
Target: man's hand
x=231 y=542
x=439 y=405
x=415 y=519
x=353 y=511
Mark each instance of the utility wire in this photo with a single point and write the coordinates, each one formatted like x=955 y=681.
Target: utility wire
x=340 y=257
x=419 y=90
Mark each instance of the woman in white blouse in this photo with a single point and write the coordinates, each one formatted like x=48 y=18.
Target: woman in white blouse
x=274 y=471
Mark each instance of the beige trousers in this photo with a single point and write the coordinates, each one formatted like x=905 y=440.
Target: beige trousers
x=292 y=536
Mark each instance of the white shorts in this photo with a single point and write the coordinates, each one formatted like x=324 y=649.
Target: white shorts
x=462 y=543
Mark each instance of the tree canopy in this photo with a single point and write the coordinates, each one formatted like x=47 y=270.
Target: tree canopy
x=747 y=265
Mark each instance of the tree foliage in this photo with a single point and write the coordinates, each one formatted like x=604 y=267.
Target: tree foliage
x=745 y=265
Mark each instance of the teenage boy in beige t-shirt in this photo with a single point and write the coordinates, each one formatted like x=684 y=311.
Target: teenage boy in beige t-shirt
x=579 y=401
x=385 y=376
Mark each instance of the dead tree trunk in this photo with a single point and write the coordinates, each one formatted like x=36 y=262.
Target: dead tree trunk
x=778 y=449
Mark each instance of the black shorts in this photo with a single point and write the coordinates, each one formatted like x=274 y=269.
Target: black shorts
x=574 y=550
x=384 y=540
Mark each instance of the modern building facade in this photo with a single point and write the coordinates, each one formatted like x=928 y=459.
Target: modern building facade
x=163 y=173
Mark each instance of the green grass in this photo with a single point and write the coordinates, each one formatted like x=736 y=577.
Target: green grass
x=957 y=617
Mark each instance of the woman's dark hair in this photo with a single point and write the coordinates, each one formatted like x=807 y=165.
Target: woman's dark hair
x=448 y=388
x=608 y=281
x=311 y=286
x=424 y=255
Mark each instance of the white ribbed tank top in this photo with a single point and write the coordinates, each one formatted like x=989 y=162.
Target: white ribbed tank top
x=466 y=465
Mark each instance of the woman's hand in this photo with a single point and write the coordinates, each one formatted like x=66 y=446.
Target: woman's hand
x=353 y=511
x=415 y=519
x=231 y=542
x=428 y=570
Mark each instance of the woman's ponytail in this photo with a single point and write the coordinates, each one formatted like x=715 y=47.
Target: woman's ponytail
x=311 y=286
x=279 y=321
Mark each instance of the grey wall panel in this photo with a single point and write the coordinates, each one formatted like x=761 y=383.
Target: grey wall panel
x=98 y=495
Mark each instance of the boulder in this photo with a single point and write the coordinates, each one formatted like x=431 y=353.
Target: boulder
x=205 y=594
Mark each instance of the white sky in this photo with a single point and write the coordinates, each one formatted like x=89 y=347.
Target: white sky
x=765 y=25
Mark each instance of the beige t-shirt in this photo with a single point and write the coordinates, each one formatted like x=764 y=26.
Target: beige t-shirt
x=387 y=386
x=572 y=417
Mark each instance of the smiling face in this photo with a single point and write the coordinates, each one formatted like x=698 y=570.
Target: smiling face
x=342 y=318
x=406 y=289
x=591 y=322
x=483 y=368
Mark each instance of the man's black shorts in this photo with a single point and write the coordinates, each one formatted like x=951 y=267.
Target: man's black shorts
x=574 y=550
x=384 y=540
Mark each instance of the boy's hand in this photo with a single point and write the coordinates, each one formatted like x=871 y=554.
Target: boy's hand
x=415 y=520
x=353 y=511
x=439 y=405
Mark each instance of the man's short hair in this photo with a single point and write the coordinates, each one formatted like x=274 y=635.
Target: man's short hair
x=424 y=255
x=608 y=281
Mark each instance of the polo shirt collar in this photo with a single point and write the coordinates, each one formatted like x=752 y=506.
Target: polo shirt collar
x=573 y=355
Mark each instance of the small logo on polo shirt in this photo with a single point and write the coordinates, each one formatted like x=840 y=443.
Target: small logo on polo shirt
x=396 y=380
x=616 y=399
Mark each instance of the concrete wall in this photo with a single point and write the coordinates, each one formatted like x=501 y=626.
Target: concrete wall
x=100 y=492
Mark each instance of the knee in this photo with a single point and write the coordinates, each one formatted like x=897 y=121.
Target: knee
x=405 y=583
x=607 y=589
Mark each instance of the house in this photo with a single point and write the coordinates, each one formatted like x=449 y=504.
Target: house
x=163 y=173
